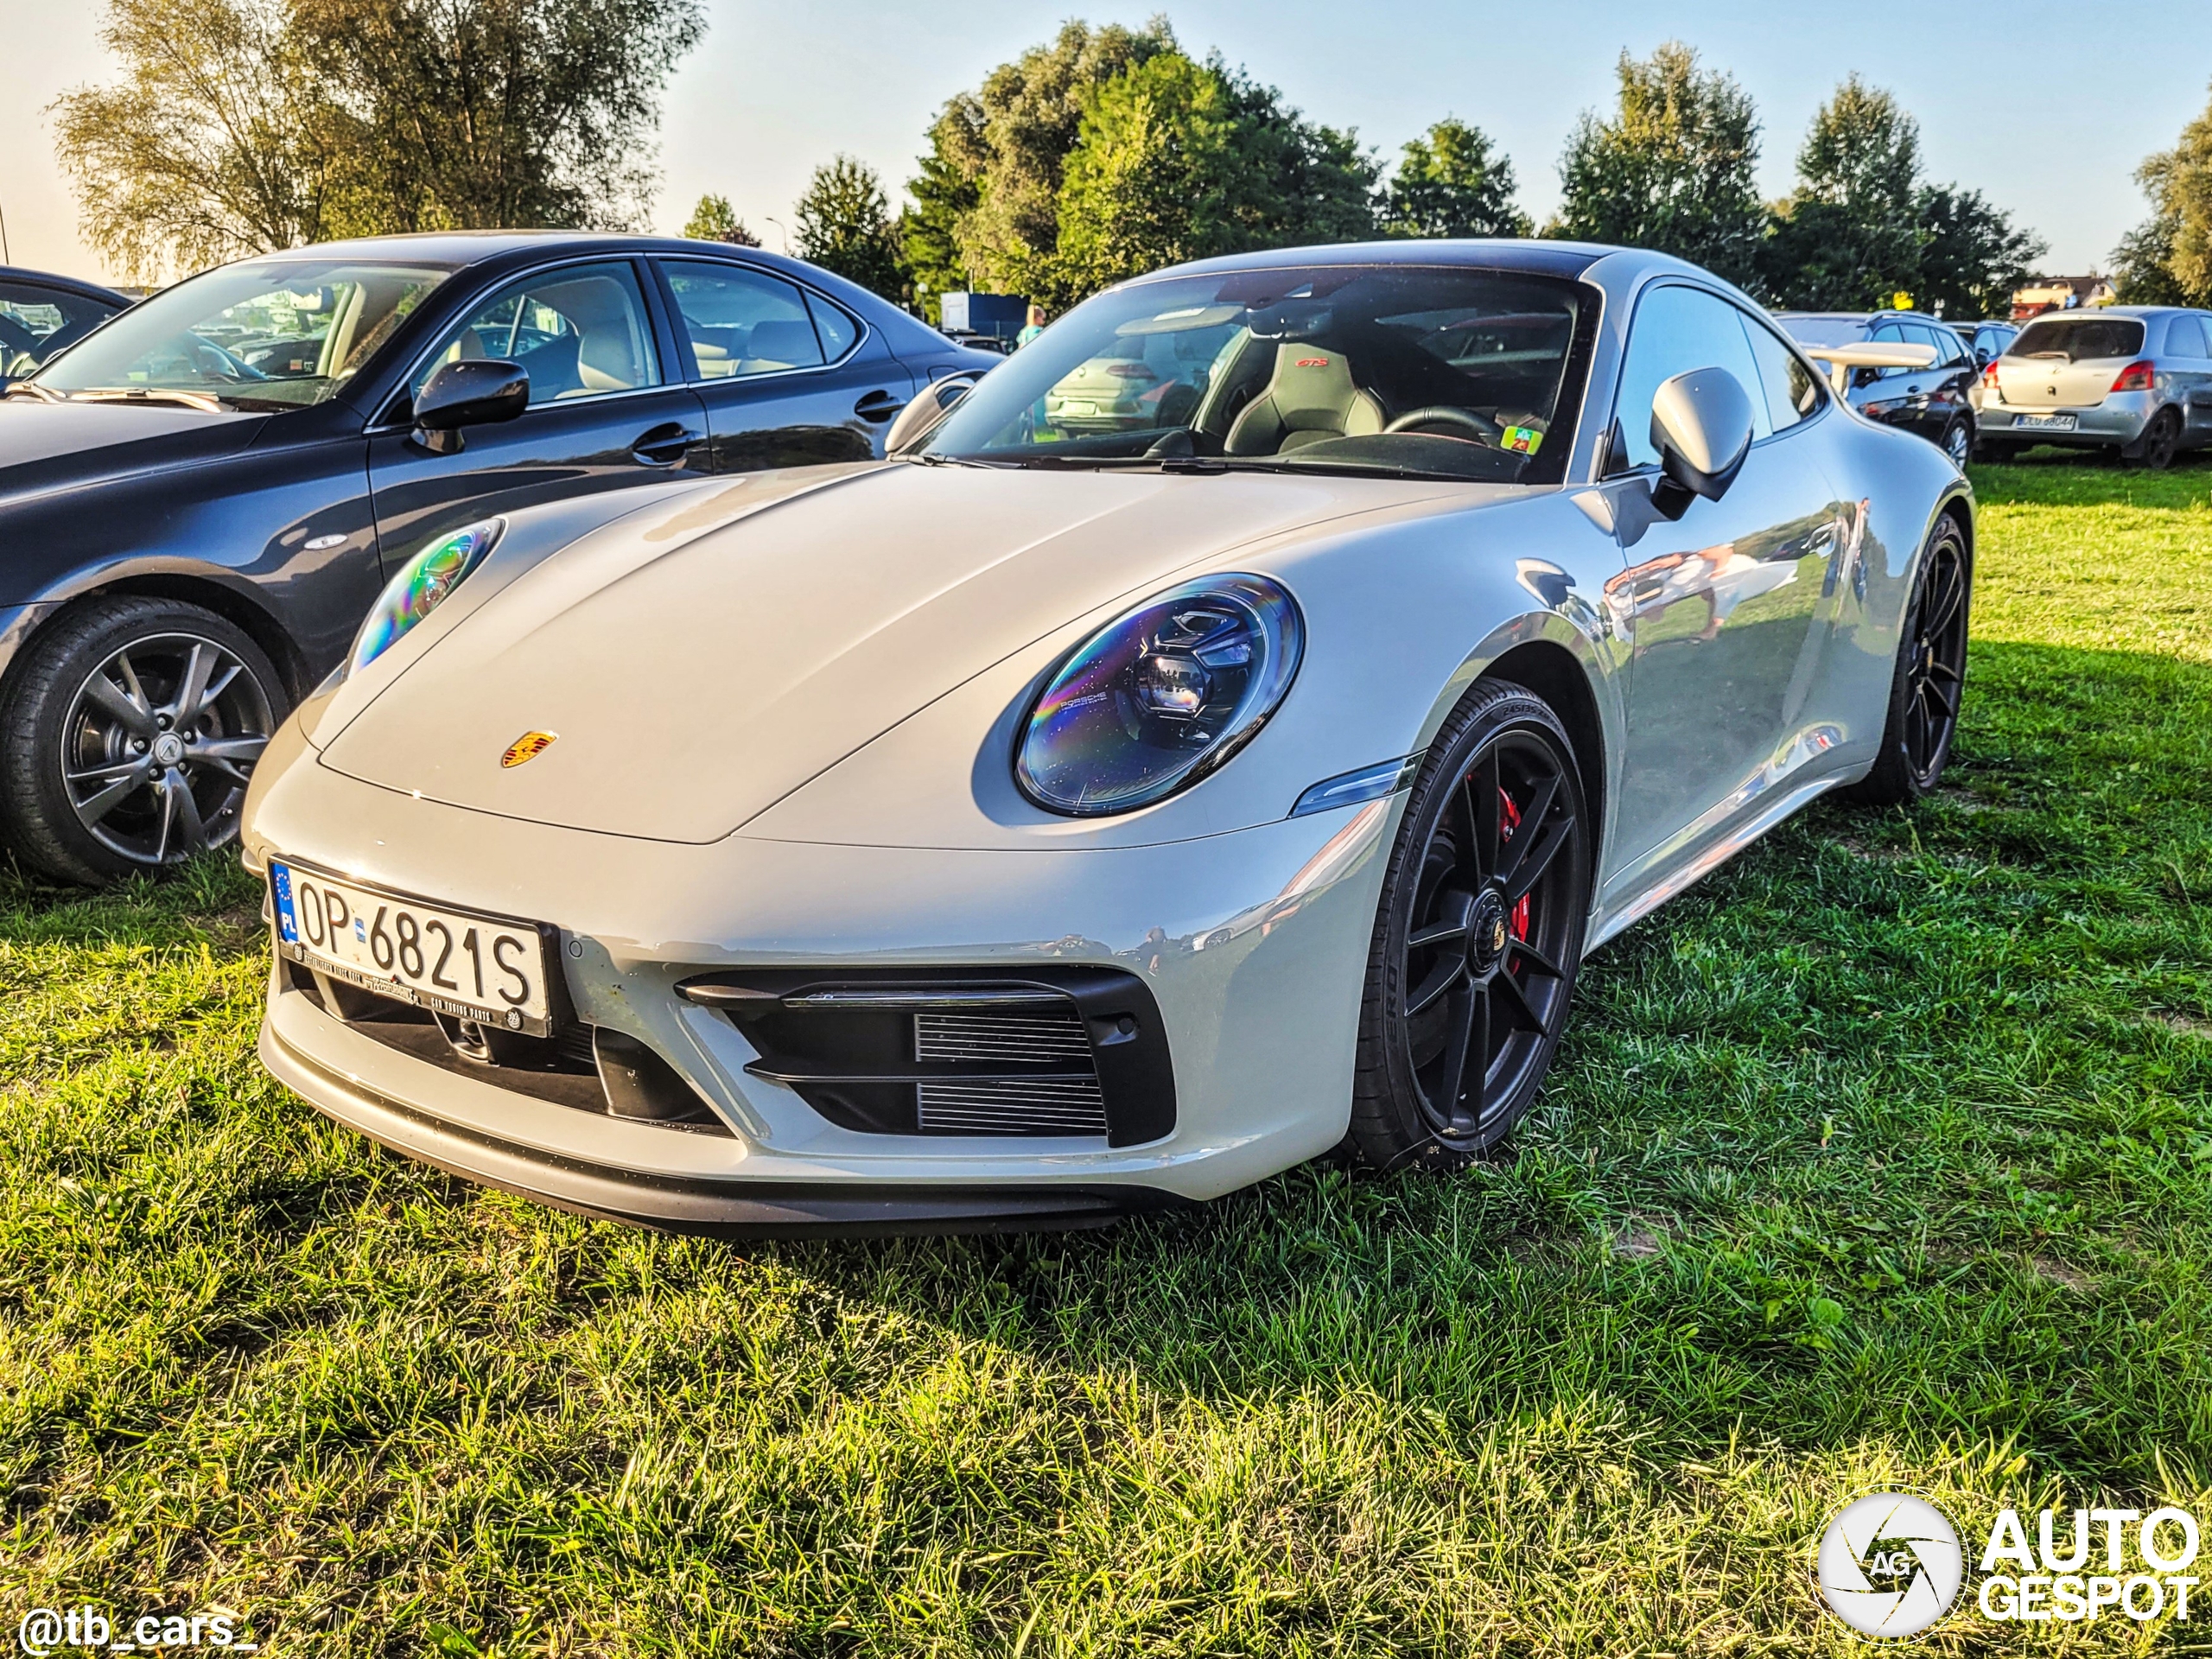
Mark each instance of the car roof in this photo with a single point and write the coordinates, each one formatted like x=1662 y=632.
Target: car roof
x=1542 y=257
x=75 y=285
x=2055 y=315
x=1870 y=318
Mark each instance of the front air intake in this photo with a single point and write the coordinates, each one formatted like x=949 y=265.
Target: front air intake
x=1060 y=1052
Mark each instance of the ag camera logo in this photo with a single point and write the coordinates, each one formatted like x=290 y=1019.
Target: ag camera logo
x=1889 y=1565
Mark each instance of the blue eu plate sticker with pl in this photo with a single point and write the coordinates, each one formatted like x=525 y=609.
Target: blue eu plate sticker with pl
x=288 y=925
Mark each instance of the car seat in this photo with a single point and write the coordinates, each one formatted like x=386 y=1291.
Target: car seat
x=781 y=344
x=1310 y=396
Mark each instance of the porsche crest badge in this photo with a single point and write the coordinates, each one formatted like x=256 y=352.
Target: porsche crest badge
x=527 y=747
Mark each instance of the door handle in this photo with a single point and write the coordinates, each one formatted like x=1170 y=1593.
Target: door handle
x=664 y=445
x=879 y=405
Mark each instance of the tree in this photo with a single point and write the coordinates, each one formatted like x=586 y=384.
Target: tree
x=714 y=221
x=2170 y=255
x=489 y=113
x=1180 y=160
x=1849 y=236
x=243 y=125
x=215 y=144
x=1673 y=170
x=844 y=224
x=987 y=206
x=1451 y=182
x=1970 y=256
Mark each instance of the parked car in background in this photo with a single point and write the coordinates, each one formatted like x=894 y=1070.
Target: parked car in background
x=1933 y=402
x=2133 y=379
x=1988 y=339
x=1055 y=820
x=201 y=500
x=41 y=314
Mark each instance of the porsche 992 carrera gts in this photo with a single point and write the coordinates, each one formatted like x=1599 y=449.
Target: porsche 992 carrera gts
x=1086 y=808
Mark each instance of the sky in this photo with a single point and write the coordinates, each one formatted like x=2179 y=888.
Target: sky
x=2046 y=108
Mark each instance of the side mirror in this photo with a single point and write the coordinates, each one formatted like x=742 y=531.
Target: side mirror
x=1701 y=426
x=1865 y=376
x=474 y=391
x=926 y=411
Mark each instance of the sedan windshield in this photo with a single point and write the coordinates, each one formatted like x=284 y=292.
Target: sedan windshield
x=1388 y=369
x=269 y=334
x=2079 y=340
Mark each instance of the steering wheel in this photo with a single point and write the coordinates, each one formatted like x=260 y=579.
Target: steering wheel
x=1481 y=430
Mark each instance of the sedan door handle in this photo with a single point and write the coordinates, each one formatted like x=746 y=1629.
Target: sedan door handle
x=664 y=445
x=879 y=405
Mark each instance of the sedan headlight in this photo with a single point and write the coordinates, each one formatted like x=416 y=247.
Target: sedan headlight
x=1162 y=697
x=422 y=583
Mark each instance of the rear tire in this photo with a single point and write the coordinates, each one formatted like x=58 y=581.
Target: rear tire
x=1478 y=938
x=128 y=734
x=1929 y=680
x=2160 y=443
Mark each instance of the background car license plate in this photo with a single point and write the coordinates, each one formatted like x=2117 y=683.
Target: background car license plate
x=2045 y=422
x=453 y=961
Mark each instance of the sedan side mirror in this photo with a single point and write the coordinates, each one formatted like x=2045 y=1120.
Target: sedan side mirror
x=1701 y=426
x=473 y=391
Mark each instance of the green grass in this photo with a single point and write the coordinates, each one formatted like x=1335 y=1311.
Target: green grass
x=1884 y=1157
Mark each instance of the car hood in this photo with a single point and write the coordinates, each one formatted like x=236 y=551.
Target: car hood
x=47 y=445
x=693 y=665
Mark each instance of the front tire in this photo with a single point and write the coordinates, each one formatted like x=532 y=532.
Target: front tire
x=1958 y=443
x=1928 y=680
x=128 y=735
x=1478 y=937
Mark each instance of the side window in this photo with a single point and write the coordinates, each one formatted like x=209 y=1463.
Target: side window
x=1790 y=390
x=839 y=333
x=1677 y=330
x=741 y=322
x=1950 y=351
x=579 y=331
x=2185 y=338
x=1887 y=334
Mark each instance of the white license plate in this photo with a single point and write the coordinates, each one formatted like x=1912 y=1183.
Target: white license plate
x=496 y=972
x=2044 y=423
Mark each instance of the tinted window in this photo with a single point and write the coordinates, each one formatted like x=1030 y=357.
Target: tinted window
x=1790 y=390
x=1678 y=329
x=1950 y=350
x=2185 y=337
x=1461 y=373
x=742 y=321
x=2080 y=338
x=36 y=322
x=579 y=331
x=838 y=332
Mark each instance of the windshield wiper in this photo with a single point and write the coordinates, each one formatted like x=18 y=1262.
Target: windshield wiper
x=207 y=401
x=32 y=390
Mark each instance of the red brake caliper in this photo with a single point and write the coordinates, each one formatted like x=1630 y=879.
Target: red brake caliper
x=1519 y=922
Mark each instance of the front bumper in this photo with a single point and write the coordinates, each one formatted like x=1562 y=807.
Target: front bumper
x=2120 y=419
x=1253 y=945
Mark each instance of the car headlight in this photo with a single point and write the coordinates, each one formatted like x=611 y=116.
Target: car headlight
x=421 y=583
x=1162 y=697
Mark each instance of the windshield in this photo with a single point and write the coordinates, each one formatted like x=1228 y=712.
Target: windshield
x=1824 y=331
x=2078 y=338
x=1394 y=369
x=270 y=333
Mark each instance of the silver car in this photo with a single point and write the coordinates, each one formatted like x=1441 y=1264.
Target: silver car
x=2137 y=379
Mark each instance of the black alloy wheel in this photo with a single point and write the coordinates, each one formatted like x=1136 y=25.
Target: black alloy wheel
x=1479 y=935
x=130 y=737
x=2161 y=439
x=1929 y=680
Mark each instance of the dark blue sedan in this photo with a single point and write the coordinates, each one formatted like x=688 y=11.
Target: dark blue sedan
x=201 y=498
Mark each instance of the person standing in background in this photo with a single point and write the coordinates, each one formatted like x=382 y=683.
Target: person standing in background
x=1031 y=330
